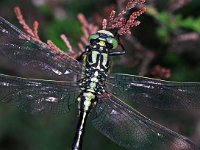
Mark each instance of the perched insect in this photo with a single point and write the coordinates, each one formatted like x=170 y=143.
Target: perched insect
x=95 y=89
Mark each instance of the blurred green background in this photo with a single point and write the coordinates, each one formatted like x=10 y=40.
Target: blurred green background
x=166 y=45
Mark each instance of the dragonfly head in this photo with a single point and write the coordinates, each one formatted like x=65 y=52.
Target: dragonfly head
x=103 y=38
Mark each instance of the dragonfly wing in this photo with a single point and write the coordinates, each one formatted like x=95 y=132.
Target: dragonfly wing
x=37 y=96
x=130 y=129
x=155 y=93
x=20 y=49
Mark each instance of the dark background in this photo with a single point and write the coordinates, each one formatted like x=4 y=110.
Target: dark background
x=166 y=45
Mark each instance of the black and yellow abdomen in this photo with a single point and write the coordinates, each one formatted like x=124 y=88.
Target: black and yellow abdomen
x=96 y=64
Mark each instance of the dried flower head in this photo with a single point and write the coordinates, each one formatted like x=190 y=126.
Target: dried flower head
x=87 y=29
x=121 y=22
x=33 y=34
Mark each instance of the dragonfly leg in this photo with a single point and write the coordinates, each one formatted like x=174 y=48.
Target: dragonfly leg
x=118 y=52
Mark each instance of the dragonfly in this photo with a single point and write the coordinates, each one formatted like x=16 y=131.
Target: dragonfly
x=90 y=84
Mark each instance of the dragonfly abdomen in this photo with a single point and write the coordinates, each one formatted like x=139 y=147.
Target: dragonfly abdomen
x=96 y=64
x=91 y=86
x=77 y=142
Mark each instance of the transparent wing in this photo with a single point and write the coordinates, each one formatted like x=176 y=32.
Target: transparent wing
x=37 y=96
x=155 y=93
x=130 y=129
x=20 y=49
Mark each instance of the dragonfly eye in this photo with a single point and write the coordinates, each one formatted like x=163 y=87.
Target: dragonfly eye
x=93 y=37
x=113 y=42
